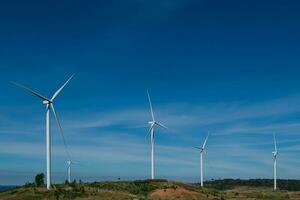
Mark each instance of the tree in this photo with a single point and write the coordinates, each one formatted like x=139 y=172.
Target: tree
x=39 y=180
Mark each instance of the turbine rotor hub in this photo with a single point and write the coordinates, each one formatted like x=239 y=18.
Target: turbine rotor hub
x=46 y=102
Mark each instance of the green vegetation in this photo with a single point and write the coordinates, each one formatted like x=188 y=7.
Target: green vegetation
x=150 y=190
x=39 y=180
x=139 y=187
x=225 y=184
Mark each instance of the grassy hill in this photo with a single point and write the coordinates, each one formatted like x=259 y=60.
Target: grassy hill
x=142 y=190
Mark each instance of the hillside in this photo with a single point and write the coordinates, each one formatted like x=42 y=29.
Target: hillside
x=142 y=190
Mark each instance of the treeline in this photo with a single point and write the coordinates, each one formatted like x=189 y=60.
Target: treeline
x=283 y=184
x=6 y=187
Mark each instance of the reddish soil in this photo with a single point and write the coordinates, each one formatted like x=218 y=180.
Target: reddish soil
x=179 y=193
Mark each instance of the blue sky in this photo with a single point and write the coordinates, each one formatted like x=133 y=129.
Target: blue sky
x=228 y=67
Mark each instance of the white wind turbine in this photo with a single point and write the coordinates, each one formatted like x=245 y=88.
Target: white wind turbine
x=202 y=150
x=153 y=123
x=49 y=105
x=275 y=154
x=69 y=165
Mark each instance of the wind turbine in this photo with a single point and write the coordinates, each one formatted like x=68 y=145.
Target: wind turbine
x=49 y=105
x=69 y=165
x=275 y=154
x=202 y=149
x=153 y=123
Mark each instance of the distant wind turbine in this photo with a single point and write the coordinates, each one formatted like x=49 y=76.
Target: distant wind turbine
x=202 y=149
x=275 y=154
x=153 y=123
x=49 y=105
x=69 y=165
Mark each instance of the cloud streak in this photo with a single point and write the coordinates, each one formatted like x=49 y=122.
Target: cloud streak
x=118 y=138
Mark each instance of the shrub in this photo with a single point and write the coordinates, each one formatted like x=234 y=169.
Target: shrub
x=39 y=180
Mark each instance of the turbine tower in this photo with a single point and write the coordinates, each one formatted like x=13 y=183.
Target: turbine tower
x=49 y=106
x=202 y=149
x=275 y=154
x=153 y=123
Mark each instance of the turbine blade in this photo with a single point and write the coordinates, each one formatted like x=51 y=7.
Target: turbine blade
x=275 y=145
x=60 y=130
x=148 y=133
x=47 y=107
x=198 y=148
x=30 y=91
x=151 y=109
x=205 y=141
x=77 y=163
x=161 y=125
x=61 y=88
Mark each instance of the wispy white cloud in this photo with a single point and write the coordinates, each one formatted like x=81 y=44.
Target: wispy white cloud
x=231 y=117
x=117 y=137
x=126 y=117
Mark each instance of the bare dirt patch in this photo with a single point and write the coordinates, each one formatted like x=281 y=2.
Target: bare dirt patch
x=170 y=194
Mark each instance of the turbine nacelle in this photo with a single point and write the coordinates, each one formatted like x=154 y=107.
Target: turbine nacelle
x=201 y=149
x=152 y=123
x=46 y=102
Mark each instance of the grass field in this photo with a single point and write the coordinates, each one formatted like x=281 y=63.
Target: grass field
x=142 y=190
